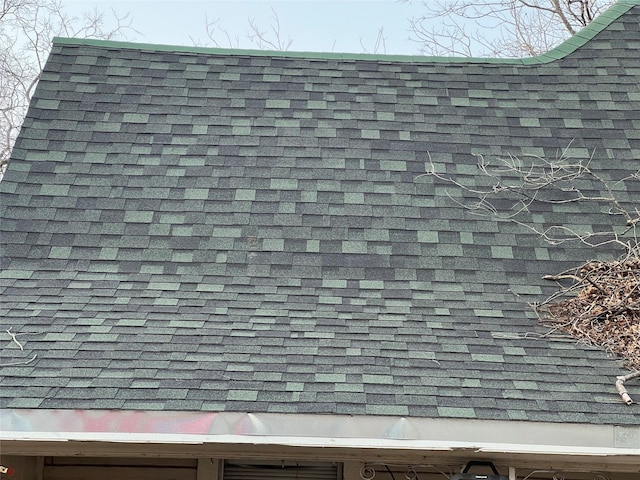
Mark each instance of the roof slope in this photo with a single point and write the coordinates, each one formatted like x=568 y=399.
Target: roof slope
x=212 y=230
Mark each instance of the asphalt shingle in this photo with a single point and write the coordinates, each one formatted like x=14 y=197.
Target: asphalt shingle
x=193 y=229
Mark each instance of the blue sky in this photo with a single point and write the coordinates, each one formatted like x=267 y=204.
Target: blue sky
x=339 y=25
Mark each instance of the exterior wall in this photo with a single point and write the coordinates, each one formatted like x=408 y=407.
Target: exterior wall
x=73 y=468
x=26 y=468
x=109 y=468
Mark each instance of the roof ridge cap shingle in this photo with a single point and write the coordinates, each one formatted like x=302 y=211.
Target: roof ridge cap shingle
x=567 y=47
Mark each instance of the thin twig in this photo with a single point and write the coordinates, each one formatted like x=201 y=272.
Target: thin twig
x=24 y=362
x=13 y=337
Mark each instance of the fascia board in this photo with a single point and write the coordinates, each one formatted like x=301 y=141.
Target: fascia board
x=294 y=429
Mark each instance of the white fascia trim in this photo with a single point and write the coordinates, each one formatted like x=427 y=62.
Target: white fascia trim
x=313 y=442
x=322 y=431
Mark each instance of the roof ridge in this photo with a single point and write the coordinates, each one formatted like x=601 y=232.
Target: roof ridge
x=567 y=47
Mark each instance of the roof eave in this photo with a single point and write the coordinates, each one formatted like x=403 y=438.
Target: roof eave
x=335 y=437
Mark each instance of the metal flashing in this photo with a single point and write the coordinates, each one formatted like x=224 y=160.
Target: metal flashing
x=320 y=437
x=312 y=429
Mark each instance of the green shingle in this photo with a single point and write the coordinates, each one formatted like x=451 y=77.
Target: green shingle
x=456 y=412
x=284 y=184
x=47 y=104
x=501 y=252
x=135 y=118
x=478 y=357
x=196 y=193
x=428 y=237
x=275 y=244
x=245 y=395
x=278 y=103
x=132 y=216
x=369 y=133
x=396 y=410
x=393 y=165
x=330 y=377
x=60 y=252
x=334 y=283
x=354 y=247
x=245 y=194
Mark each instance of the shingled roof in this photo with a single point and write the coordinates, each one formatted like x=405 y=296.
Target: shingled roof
x=208 y=230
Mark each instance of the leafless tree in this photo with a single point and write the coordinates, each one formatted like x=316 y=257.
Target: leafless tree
x=269 y=38
x=27 y=28
x=500 y=28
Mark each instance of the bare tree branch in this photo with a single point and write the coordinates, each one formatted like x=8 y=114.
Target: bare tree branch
x=26 y=30
x=273 y=40
x=214 y=31
x=380 y=45
x=515 y=184
x=622 y=391
x=503 y=28
x=601 y=304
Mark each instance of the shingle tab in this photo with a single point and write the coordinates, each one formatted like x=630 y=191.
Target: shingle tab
x=238 y=245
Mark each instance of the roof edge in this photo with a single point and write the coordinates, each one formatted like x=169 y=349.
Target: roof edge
x=570 y=447
x=584 y=35
x=119 y=425
x=565 y=48
x=325 y=442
